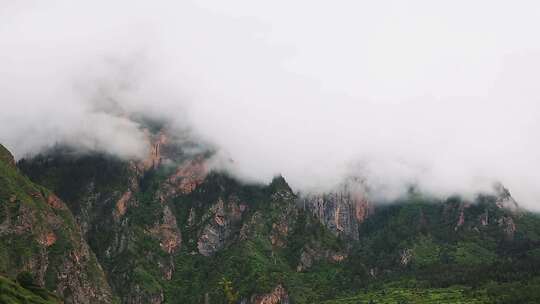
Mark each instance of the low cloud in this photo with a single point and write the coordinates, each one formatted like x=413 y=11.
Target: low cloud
x=438 y=95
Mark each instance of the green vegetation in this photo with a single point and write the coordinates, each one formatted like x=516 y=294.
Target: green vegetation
x=426 y=252
x=38 y=235
x=228 y=291
x=455 y=257
x=73 y=175
x=393 y=295
x=470 y=254
x=14 y=293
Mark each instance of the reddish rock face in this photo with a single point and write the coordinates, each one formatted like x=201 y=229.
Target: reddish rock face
x=337 y=257
x=187 y=177
x=47 y=239
x=225 y=215
x=461 y=218
x=55 y=202
x=277 y=296
x=362 y=208
x=154 y=157
x=168 y=233
x=312 y=254
x=121 y=204
x=341 y=211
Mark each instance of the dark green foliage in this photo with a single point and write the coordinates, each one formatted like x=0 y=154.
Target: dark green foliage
x=445 y=254
x=308 y=230
x=70 y=175
x=14 y=293
x=148 y=209
x=252 y=266
x=521 y=292
x=26 y=279
x=229 y=293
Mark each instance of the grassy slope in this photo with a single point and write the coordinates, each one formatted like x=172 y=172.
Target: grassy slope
x=455 y=295
x=13 y=293
x=25 y=203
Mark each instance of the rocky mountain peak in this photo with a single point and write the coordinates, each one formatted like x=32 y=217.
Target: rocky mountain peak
x=6 y=156
x=505 y=199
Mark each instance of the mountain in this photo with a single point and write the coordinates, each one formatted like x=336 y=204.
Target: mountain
x=39 y=235
x=168 y=229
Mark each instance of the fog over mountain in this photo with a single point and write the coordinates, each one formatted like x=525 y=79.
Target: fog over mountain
x=442 y=95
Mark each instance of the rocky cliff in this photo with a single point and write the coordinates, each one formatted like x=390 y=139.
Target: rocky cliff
x=38 y=234
x=342 y=211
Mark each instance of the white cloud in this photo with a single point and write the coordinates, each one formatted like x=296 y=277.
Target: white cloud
x=442 y=94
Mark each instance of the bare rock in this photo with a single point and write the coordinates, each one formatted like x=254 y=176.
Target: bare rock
x=341 y=211
x=223 y=221
x=311 y=255
x=167 y=232
x=277 y=296
x=405 y=256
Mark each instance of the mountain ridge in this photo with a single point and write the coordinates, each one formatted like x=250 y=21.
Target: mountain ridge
x=167 y=229
x=39 y=234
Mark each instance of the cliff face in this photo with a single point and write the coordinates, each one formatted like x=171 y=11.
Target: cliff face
x=342 y=211
x=38 y=234
x=277 y=296
x=224 y=220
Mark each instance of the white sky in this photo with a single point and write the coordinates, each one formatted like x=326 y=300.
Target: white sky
x=439 y=93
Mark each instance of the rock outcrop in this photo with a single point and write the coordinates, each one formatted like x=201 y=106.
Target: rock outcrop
x=170 y=237
x=277 y=296
x=313 y=254
x=154 y=157
x=224 y=219
x=6 y=157
x=341 y=211
x=505 y=199
x=187 y=176
x=39 y=234
x=405 y=256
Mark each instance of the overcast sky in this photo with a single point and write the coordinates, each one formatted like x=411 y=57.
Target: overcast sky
x=442 y=94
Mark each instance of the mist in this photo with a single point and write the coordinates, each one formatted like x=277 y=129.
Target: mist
x=441 y=95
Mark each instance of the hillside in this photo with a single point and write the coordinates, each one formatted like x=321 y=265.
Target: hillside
x=14 y=292
x=167 y=229
x=39 y=235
